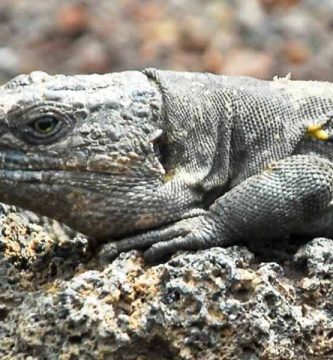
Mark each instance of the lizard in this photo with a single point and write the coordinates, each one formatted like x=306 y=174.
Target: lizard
x=166 y=161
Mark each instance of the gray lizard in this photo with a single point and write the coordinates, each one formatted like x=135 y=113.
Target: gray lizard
x=166 y=161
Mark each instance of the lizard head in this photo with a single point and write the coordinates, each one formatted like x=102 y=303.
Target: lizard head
x=80 y=149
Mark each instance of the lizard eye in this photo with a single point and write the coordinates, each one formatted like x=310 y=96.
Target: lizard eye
x=45 y=125
x=42 y=124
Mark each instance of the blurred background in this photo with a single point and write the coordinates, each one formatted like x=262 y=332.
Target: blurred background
x=261 y=38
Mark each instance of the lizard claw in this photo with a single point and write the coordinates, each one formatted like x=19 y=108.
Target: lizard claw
x=108 y=252
x=164 y=249
x=193 y=233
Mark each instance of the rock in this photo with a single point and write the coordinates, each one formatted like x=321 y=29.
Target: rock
x=248 y=62
x=73 y=19
x=78 y=36
x=59 y=302
x=9 y=61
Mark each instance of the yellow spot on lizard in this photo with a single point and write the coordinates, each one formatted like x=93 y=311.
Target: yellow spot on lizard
x=169 y=175
x=316 y=131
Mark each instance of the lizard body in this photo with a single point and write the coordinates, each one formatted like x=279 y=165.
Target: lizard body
x=169 y=161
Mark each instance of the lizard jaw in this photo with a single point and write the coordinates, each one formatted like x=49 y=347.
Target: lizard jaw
x=98 y=213
x=84 y=197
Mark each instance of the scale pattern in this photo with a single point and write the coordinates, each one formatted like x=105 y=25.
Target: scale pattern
x=168 y=161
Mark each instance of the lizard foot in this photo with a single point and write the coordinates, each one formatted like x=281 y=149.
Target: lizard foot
x=193 y=233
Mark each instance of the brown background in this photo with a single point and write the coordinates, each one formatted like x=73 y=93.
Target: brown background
x=261 y=38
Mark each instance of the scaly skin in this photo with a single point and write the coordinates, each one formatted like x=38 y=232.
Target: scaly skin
x=169 y=161
x=99 y=172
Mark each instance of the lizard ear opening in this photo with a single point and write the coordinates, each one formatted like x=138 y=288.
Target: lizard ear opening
x=159 y=145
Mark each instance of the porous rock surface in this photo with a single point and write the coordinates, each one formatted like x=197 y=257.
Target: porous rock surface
x=59 y=301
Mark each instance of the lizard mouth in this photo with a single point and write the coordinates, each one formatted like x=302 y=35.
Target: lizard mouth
x=19 y=160
x=73 y=172
x=78 y=181
x=17 y=167
x=97 y=172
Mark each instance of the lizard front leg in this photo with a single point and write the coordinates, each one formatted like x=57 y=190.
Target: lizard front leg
x=276 y=202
